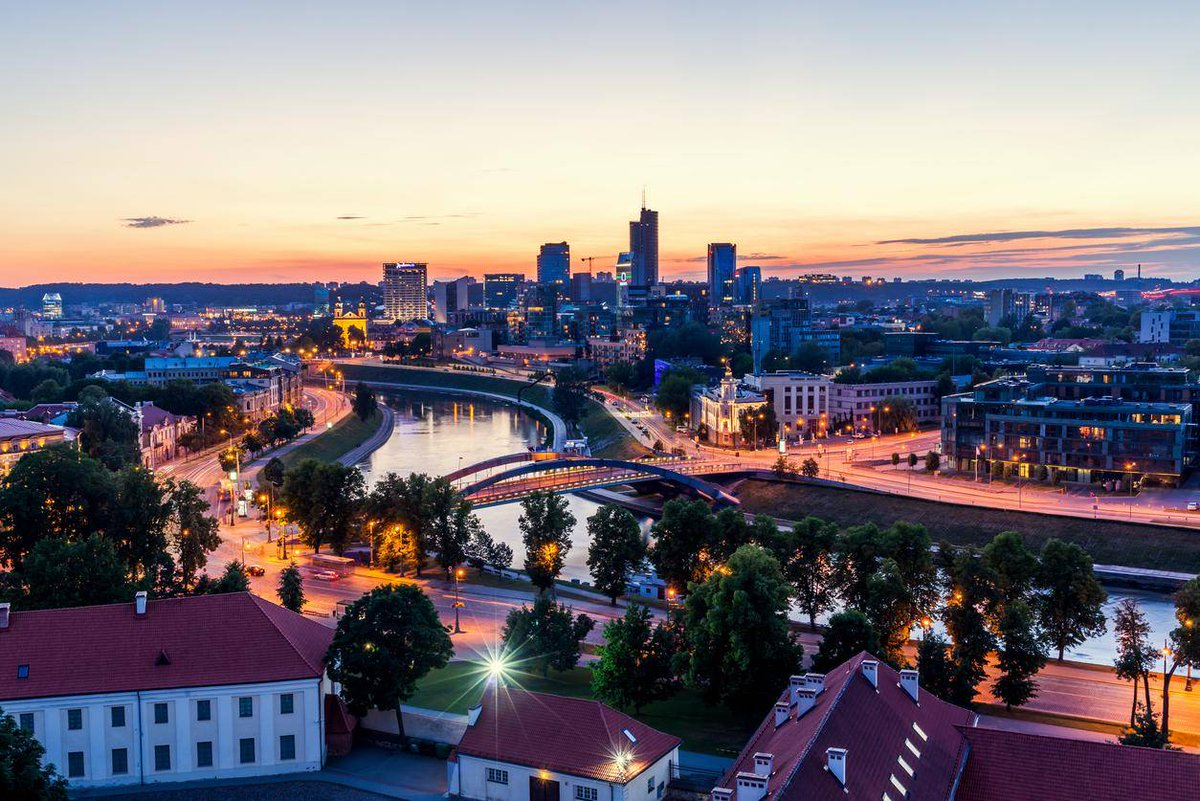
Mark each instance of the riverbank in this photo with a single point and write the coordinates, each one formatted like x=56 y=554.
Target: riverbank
x=350 y=434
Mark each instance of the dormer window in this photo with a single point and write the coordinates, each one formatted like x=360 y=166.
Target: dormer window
x=22 y=671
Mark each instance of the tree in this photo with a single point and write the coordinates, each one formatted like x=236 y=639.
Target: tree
x=809 y=468
x=684 y=539
x=60 y=573
x=1135 y=653
x=364 y=401
x=895 y=460
x=966 y=621
x=385 y=643
x=1070 y=608
x=546 y=635
x=932 y=461
x=897 y=414
x=23 y=777
x=569 y=398
x=1144 y=731
x=758 y=427
x=1022 y=654
x=674 y=395
x=291 y=588
x=107 y=432
x=399 y=517
x=483 y=550
x=912 y=461
x=616 y=549
x=273 y=471
x=810 y=570
x=233 y=579
x=545 y=525
x=325 y=499
x=847 y=634
x=451 y=524
x=936 y=671
x=738 y=647
x=137 y=524
x=49 y=391
x=192 y=532
x=784 y=467
x=620 y=377
x=1184 y=646
x=634 y=665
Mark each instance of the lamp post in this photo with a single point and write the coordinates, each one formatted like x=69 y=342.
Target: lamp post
x=926 y=625
x=1129 y=467
x=459 y=573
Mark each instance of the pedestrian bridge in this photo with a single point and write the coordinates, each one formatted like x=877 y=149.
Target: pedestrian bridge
x=511 y=478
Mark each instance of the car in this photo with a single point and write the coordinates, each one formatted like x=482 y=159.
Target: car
x=326 y=575
x=255 y=570
x=1193 y=506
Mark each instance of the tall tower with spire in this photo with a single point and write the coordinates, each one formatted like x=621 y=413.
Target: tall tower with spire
x=643 y=250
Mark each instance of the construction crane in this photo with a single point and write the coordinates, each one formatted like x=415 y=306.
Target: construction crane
x=591 y=259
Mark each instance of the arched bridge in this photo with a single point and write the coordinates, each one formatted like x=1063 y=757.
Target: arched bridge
x=510 y=478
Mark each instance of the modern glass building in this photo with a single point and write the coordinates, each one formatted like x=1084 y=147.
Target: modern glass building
x=500 y=290
x=554 y=266
x=722 y=267
x=643 y=252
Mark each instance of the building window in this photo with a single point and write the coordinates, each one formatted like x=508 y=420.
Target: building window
x=120 y=761
x=74 y=764
x=287 y=704
x=27 y=722
x=74 y=719
x=287 y=747
x=204 y=709
x=245 y=707
x=246 y=750
x=204 y=754
x=497 y=776
x=118 y=717
x=161 y=715
x=22 y=671
x=649 y=784
x=162 y=757
x=586 y=793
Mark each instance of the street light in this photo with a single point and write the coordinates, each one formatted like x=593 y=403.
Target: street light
x=459 y=574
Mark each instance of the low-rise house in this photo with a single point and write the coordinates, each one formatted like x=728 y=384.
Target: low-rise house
x=204 y=687
x=159 y=433
x=19 y=437
x=525 y=746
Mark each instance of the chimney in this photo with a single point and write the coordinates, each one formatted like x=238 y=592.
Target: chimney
x=5 y=611
x=835 y=763
x=806 y=699
x=751 y=787
x=473 y=714
x=139 y=602
x=871 y=671
x=764 y=764
x=815 y=680
x=722 y=794
x=781 y=714
x=911 y=683
x=794 y=683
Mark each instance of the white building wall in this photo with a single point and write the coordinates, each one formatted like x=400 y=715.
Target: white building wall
x=182 y=732
x=473 y=783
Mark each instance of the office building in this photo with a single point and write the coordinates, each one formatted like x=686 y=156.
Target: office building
x=554 y=266
x=451 y=299
x=748 y=285
x=800 y=400
x=405 y=290
x=1008 y=305
x=52 y=306
x=581 y=287
x=643 y=253
x=501 y=290
x=320 y=300
x=717 y=412
x=783 y=325
x=861 y=407
x=722 y=266
x=1169 y=326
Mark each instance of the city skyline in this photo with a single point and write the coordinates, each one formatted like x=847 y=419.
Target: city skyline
x=177 y=143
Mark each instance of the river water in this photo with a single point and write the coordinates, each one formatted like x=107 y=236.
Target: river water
x=436 y=434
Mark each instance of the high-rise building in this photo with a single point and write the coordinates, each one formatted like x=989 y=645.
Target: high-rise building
x=554 y=266
x=748 y=285
x=643 y=251
x=320 y=300
x=52 y=306
x=581 y=287
x=500 y=290
x=722 y=266
x=404 y=291
x=451 y=299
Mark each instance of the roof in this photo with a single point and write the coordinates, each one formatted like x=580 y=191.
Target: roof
x=234 y=638
x=1012 y=765
x=875 y=726
x=575 y=736
x=154 y=416
x=13 y=427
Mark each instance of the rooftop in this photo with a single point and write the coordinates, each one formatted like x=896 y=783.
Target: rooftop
x=12 y=428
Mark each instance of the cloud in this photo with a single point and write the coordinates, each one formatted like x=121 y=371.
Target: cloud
x=1070 y=233
x=151 y=222
x=741 y=257
x=350 y=217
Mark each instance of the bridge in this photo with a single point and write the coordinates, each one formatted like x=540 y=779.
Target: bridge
x=507 y=479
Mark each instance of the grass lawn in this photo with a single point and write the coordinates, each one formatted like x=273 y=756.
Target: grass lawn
x=1110 y=542
x=711 y=730
x=346 y=435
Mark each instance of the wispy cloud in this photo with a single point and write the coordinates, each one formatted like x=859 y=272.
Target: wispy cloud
x=1069 y=233
x=350 y=217
x=151 y=222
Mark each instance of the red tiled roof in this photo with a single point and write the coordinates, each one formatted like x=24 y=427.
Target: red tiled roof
x=564 y=735
x=235 y=638
x=872 y=725
x=1014 y=766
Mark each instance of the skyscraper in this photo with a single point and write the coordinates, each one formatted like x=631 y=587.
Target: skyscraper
x=52 y=306
x=451 y=299
x=500 y=289
x=722 y=265
x=748 y=285
x=643 y=251
x=554 y=266
x=404 y=291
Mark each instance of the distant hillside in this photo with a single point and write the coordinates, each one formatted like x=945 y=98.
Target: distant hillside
x=201 y=294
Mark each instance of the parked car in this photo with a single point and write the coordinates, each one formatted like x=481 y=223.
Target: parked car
x=255 y=570
x=326 y=575
x=1193 y=506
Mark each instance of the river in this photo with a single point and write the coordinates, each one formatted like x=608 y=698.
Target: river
x=436 y=434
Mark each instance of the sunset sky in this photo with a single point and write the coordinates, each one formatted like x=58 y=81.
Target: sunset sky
x=282 y=141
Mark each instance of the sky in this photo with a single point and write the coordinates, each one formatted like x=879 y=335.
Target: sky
x=294 y=141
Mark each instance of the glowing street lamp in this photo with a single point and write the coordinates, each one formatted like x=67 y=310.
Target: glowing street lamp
x=459 y=574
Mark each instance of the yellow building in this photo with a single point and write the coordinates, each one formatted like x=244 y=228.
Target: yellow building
x=19 y=437
x=348 y=321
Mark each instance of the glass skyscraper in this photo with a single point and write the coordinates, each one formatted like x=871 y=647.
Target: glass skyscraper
x=643 y=251
x=554 y=266
x=722 y=265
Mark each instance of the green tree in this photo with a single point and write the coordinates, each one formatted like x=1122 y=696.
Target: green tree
x=273 y=471
x=1184 y=646
x=685 y=537
x=616 y=549
x=933 y=461
x=759 y=427
x=1022 y=653
x=810 y=569
x=739 y=649
x=385 y=643
x=809 y=468
x=1144 y=731
x=546 y=635
x=634 y=665
x=49 y=391
x=570 y=394
x=545 y=524
x=325 y=499
x=399 y=513
x=966 y=620
x=364 y=401
x=912 y=461
x=895 y=460
x=1071 y=602
x=451 y=523
x=936 y=671
x=620 y=377
x=192 y=532
x=784 y=467
x=1135 y=653
x=848 y=633
x=137 y=523
x=23 y=776
x=674 y=393
x=291 y=588
x=233 y=579
x=58 y=573
x=107 y=432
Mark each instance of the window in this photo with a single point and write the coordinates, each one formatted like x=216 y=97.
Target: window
x=246 y=750
x=649 y=784
x=204 y=709
x=162 y=757
x=245 y=707
x=497 y=776
x=161 y=715
x=27 y=722
x=74 y=764
x=287 y=704
x=120 y=761
x=22 y=671
x=204 y=754
x=586 y=793
x=287 y=747
x=118 y=717
x=74 y=719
